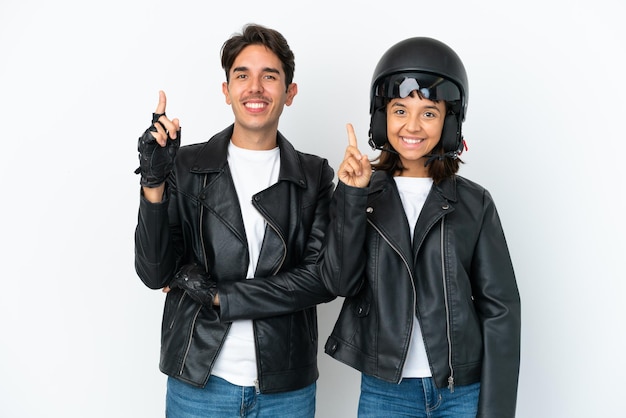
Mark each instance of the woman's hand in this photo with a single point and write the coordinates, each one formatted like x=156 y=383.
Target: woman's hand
x=355 y=169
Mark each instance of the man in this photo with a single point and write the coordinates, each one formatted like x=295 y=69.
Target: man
x=231 y=230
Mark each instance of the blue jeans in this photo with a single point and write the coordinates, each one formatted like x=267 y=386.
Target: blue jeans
x=416 y=397
x=222 y=399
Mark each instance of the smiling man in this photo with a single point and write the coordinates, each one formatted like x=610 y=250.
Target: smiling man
x=231 y=229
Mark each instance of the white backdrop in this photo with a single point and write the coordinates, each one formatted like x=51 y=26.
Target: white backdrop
x=78 y=83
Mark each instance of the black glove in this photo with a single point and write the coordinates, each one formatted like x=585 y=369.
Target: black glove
x=155 y=162
x=198 y=284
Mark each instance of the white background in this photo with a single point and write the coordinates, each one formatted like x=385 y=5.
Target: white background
x=79 y=81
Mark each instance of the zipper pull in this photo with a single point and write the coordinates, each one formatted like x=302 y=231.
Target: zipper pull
x=451 y=384
x=256 y=386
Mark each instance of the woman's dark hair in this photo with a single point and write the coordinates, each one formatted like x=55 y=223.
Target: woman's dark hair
x=253 y=34
x=438 y=168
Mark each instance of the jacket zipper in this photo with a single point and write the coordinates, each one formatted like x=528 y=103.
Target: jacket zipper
x=445 y=294
x=257 y=384
x=408 y=268
x=180 y=302
x=193 y=325
x=201 y=216
x=447 y=305
x=195 y=317
x=284 y=247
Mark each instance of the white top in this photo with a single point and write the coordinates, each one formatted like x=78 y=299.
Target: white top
x=413 y=192
x=252 y=171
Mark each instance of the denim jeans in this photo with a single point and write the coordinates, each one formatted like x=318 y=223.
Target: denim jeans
x=222 y=399
x=416 y=397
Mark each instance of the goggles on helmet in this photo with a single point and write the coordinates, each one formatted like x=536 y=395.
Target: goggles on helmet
x=431 y=87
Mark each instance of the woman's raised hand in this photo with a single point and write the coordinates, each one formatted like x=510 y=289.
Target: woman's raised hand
x=355 y=169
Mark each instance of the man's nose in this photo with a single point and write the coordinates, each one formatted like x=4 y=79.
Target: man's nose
x=256 y=84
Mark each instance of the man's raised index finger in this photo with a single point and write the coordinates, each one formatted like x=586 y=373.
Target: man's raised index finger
x=162 y=102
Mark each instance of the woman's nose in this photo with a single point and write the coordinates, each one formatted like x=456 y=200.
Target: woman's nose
x=414 y=124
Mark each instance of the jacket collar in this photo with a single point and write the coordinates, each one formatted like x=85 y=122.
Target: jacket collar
x=385 y=211
x=213 y=157
x=446 y=188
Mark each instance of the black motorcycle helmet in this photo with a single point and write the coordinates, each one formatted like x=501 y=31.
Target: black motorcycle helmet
x=437 y=72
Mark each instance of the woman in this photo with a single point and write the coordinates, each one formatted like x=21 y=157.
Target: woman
x=431 y=315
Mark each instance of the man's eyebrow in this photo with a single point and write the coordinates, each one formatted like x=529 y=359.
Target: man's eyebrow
x=265 y=70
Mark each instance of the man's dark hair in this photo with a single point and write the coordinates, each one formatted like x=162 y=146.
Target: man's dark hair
x=253 y=34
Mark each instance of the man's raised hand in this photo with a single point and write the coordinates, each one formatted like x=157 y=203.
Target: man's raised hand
x=158 y=146
x=355 y=169
x=163 y=127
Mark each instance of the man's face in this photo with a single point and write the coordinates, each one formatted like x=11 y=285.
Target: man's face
x=256 y=89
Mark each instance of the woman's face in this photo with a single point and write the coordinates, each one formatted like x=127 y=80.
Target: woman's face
x=414 y=128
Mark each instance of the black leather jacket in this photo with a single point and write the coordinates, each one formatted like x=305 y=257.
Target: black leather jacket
x=199 y=221
x=456 y=277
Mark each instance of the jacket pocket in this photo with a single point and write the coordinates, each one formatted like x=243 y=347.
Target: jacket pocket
x=173 y=303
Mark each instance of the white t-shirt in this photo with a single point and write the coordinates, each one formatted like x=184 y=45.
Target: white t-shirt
x=252 y=171
x=413 y=192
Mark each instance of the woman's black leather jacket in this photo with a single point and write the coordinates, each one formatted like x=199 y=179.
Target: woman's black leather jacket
x=456 y=277
x=199 y=221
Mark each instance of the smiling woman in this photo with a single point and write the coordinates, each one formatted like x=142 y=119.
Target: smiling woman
x=431 y=315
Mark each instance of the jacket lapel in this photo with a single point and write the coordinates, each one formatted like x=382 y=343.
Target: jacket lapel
x=280 y=206
x=438 y=203
x=218 y=194
x=276 y=203
x=386 y=213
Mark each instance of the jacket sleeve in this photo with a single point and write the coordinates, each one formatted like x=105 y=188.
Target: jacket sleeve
x=343 y=260
x=497 y=302
x=155 y=255
x=292 y=289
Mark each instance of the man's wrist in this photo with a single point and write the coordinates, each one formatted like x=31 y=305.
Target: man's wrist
x=154 y=194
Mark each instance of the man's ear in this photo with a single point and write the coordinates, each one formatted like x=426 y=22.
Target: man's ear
x=292 y=90
x=226 y=93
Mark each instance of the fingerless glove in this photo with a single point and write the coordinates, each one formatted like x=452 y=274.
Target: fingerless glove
x=155 y=162
x=197 y=283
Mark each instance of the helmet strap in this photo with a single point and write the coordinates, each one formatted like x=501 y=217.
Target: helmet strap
x=451 y=140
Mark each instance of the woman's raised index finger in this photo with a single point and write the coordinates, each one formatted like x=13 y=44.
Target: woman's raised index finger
x=351 y=135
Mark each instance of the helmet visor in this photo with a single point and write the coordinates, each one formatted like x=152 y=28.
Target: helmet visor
x=431 y=87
